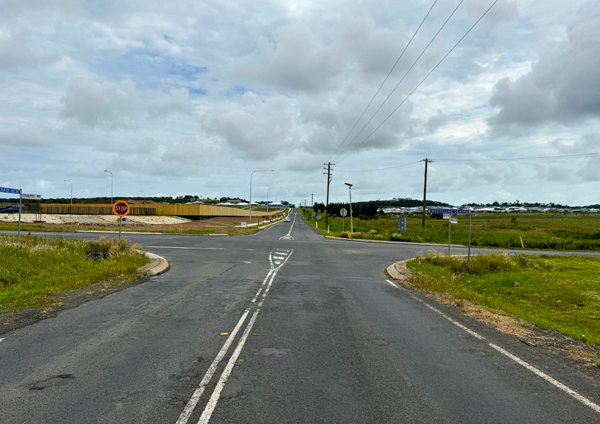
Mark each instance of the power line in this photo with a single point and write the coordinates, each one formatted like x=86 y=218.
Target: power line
x=421 y=82
x=381 y=169
x=404 y=76
x=386 y=78
x=581 y=155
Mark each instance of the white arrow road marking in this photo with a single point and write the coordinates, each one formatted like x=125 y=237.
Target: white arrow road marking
x=518 y=360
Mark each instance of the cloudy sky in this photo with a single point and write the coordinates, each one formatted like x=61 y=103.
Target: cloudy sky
x=192 y=96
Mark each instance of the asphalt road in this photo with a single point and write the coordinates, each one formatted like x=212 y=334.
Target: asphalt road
x=315 y=335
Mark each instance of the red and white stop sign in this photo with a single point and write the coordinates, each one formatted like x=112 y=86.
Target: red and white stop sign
x=121 y=208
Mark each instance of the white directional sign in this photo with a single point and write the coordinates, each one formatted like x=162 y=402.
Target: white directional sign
x=318 y=217
x=453 y=221
x=446 y=216
x=32 y=196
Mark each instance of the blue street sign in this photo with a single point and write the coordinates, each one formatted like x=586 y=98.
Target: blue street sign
x=449 y=211
x=401 y=225
x=10 y=190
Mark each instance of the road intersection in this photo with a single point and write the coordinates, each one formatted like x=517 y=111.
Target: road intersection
x=314 y=333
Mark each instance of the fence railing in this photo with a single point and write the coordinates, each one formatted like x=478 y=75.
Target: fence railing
x=67 y=209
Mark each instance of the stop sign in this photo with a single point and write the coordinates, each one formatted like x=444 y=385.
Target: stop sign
x=121 y=208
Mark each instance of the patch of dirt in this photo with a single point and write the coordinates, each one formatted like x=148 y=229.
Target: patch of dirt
x=217 y=225
x=10 y=321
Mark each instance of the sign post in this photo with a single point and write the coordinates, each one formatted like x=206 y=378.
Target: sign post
x=121 y=208
x=448 y=215
x=343 y=213
x=20 y=193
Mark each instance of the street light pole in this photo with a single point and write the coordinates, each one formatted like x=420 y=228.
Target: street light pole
x=261 y=170
x=350 y=191
x=268 y=198
x=111 y=187
x=71 y=208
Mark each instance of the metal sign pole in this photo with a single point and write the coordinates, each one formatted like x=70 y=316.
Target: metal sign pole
x=20 y=207
x=449 y=232
x=469 y=255
x=120 y=223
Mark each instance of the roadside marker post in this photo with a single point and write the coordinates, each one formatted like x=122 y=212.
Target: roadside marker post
x=448 y=213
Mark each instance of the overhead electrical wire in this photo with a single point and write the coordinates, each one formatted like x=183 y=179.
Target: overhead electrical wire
x=384 y=81
x=406 y=165
x=581 y=155
x=403 y=78
x=421 y=82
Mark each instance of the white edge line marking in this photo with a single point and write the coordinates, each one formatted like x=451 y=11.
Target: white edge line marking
x=549 y=379
x=518 y=360
x=2 y=339
x=189 y=408
x=212 y=402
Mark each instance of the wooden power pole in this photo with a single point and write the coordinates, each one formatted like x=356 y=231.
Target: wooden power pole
x=425 y=192
x=328 y=181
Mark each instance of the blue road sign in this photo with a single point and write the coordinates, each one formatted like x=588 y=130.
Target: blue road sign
x=10 y=190
x=449 y=211
x=401 y=225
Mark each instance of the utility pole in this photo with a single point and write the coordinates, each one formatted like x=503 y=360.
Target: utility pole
x=312 y=201
x=328 y=181
x=425 y=192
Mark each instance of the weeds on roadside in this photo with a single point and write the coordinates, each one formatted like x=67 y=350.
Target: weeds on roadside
x=31 y=272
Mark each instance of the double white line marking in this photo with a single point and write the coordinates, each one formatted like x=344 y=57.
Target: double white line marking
x=214 y=398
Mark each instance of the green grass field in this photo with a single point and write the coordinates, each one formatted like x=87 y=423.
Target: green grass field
x=539 y=230
x=555 y=292
x=32 y=272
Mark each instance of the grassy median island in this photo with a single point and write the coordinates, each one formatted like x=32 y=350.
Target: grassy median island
x=33 y=271
x=553 y=292
x=544 y=231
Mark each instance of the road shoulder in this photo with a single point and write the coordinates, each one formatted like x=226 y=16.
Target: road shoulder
x=546 y=340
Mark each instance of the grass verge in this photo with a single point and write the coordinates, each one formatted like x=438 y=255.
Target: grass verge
x=33 y=271
x=543 y=231
x=553 y=292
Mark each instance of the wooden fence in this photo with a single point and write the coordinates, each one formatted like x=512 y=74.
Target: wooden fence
x=192 y=211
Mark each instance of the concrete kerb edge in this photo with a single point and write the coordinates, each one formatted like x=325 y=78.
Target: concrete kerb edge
x=392 y=242
x=158 y=265
x=399 y=271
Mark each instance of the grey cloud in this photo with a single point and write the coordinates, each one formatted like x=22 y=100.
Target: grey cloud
x=95 y=104
x=561 y=89
x=110 y=105
x=16 y=51
x=295 y=58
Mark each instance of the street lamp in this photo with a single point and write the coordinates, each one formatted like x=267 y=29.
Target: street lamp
x=70 y=209
x=268 y=198
x=350 y=191
x=111 y=187
x=262 y=170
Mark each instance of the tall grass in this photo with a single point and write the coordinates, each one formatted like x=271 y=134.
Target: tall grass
x=556 y=292
x=31 y=272
x=544 y=231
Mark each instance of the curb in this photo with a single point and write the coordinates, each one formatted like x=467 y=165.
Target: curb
x=411 y=243
x=158 y=265
x=399 y=271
